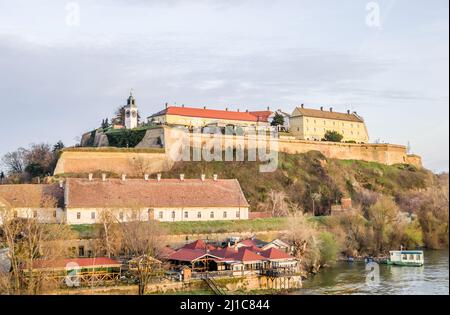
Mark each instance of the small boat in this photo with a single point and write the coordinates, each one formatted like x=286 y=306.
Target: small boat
x=412 y=258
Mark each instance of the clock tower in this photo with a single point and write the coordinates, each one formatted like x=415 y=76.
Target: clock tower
x=131 y=113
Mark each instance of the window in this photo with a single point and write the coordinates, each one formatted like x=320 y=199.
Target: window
x=78 y=215
x=199 y=215
x=211 y=215
x=54 y=214
x=186 y=214
x=93 y=215
x=173 y=214
x=15 y=214
x=160 y=215
x=121 y=216
x=224 y=214
x=324 y=122
x=298 y=128
x=81 y=251
x=238 y=214
x=34 y=214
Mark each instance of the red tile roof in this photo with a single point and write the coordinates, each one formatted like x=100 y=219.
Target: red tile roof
x=262 y=115
x=190 y=255
x=116 y=193
x=198 y=244
x=33 y=196
x=246 y=255
x=208 y=113
x=275 y=254
x=82 y=262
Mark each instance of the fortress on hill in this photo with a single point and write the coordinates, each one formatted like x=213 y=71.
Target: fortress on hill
x=131 y=147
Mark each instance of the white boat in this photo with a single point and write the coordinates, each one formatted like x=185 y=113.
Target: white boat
x=413 y=258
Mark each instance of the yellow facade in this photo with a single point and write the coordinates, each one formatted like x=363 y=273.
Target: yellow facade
x=313 y=124
x=201 y=122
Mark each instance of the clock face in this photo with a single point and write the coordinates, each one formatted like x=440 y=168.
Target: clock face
x=134 y=114
x=127 y=113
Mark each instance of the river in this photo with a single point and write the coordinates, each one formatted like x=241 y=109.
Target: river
x=350 y=278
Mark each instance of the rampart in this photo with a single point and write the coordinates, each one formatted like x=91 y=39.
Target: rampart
x=147 y=159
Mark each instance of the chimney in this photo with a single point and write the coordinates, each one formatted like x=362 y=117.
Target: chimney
x=204 y=107
x=268 y=108
x=158 y=177
x=348 y=111
x=302 y=106
x=91 y=177
x=146 y=177
x=104 y=177
x=203 y=177
x=182 y=105
x=61 y=183
x=331 y=109
x=167 y=105
x=238 y=110
x=215 y=177
x=182 y=177
x=246 y=110
x=124 y=177
x=321 y=108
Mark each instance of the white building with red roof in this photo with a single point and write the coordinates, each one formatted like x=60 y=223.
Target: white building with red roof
x=82 y=201
x=200 y=117
x=200 y=257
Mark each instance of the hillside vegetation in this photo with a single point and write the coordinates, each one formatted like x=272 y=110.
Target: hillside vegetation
x=301 y=177
x=393 y=205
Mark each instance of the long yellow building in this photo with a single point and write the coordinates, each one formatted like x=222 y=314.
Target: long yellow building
x=312 y=124
x=200 y=117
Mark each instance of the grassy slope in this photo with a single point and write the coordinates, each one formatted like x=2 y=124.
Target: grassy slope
x=180 y=228
x=300 y=175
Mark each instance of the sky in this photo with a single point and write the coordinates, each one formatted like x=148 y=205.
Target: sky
x=66 y=65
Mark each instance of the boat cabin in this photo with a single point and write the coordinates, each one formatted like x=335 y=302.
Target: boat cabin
x=406 y=258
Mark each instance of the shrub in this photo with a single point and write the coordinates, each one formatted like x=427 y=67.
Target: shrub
x=333 y=136
x=329 y=248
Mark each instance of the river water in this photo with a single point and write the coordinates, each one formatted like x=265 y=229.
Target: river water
x=353 y=279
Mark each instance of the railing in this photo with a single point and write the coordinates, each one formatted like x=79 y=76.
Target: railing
x=279 y=272
x=212 y=274
x=213 y=285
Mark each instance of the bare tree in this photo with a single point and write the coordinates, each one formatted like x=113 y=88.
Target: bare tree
x=15 y=161
x=111 y=236
x=143 y=241
x=141 y=166
x=303 y=238
x=279 y=206
x=30 y=242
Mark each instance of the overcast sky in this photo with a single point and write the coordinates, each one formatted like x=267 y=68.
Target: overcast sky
x=61 y=73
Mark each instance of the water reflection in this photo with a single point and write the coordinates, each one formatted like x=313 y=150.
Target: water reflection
x=350 y=278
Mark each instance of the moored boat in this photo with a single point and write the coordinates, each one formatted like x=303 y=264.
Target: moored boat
x=412 y=258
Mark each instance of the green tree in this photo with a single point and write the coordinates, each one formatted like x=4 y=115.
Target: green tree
x=278 y=120
x=333 y=136
x=384 y=219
